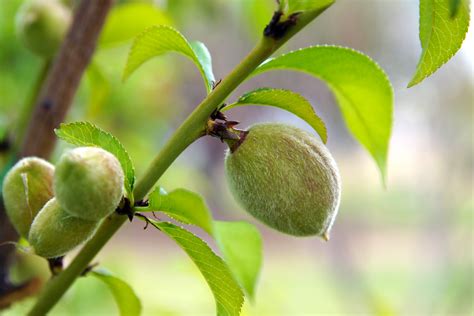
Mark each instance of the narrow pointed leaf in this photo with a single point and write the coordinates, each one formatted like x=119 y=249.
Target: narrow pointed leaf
x=239 y=242
x=205 y=59
x=441 y=34
x=362 y=90
x=183 y=205
x=241 y=246
x=227 y=293
x=126 y=299
x=127 y=20
x=286 y=100
x=87 y=134
x=158 y=40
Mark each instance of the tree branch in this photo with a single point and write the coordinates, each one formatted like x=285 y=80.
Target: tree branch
x=62 y=82
x=51 y=108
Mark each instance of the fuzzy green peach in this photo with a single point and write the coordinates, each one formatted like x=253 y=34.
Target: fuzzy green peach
x=41 y=25
x=26 y=189
x=55 y=232
x=286 y=178
x=88 y=182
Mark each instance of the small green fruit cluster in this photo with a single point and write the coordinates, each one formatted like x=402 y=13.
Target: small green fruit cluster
x=42 y=24
x=57 y=210
x=286 y=178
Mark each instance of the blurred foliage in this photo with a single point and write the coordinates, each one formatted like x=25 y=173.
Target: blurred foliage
x=403 y=251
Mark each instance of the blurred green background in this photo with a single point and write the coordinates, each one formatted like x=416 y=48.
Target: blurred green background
x=404 y=250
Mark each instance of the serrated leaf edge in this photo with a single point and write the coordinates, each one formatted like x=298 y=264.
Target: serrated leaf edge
x=58 y=131
x=415 y=80
x=127 y=72
x=242 y=100
x=156 y=224
x=383 y=167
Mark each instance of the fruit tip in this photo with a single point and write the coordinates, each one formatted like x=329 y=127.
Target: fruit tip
x=326 y=236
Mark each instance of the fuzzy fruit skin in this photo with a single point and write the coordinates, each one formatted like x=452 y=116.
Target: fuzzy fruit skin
x=26 y=189
x=41 y=25
x=88 y=182
x=55 y=232
x=286 y=178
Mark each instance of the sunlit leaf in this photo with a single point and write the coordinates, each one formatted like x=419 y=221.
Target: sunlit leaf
x=362 y=90
x=99 y=89
x=87 y=134
x=241 y=245
x=127 y=20
x=183 y=205
x=454 y=7
x=126 y=299
x=286 y=100
x=227 y=293
x=441 y=35
x=158 y=40
x=205 y=59
x=239 y=242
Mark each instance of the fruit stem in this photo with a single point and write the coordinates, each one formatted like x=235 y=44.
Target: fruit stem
x=192 y=128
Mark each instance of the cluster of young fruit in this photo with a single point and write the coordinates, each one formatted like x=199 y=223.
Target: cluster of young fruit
x=57 y=209
x=282 y=175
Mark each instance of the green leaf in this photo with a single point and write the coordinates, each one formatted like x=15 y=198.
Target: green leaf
x=286 y=100
x=454 y=7
x=362 y=90
x=127 y=301
x=241 y=245
x=205 y=60
x=127 y=20
x=305 y=5
x=87 y=134
x=239 y=242
x=158 y=40
x=182 y=205
x=441 y=35
x=227 y=293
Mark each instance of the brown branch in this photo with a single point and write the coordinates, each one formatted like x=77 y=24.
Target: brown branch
x=19 y=292
x=62 y=81
x=51 y=108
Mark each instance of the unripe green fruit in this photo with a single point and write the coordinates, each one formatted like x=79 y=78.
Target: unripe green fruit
x=55 y=232
x=286 y=178
x=41 y=25
x=26 y=189
x=88 y=182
